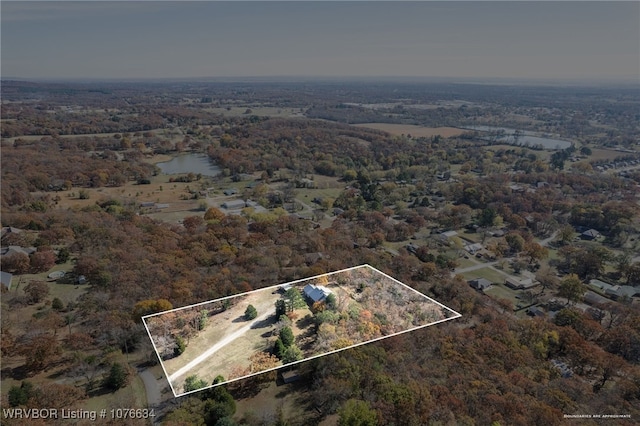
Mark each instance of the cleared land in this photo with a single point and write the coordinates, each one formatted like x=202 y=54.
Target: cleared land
x=415 y=131
x=367 y=306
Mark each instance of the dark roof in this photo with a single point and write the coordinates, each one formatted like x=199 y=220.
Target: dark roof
x=480 y=283
x=290 y=376
x=591 y=233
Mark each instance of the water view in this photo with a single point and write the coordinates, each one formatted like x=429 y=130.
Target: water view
x=524 y=138
x=189 y=163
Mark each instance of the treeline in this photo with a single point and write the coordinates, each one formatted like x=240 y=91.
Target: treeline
x=51 y=165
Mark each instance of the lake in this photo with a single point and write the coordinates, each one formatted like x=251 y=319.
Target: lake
x=526 y=138
x=189 y=163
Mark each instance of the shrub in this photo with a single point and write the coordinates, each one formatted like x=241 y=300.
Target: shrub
x=250 y=313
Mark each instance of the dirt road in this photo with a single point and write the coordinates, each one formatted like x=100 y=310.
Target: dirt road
x=215 y=348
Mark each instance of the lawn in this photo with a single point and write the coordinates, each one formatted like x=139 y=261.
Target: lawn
x=499 y=291
x=465 y=263
x=486 y=273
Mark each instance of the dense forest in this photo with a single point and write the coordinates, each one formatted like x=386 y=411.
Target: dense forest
x=63 y=143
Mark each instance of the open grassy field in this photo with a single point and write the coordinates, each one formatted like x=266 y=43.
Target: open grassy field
x=413 y=130
x=486 y=273
x=499 y=291
x=220 y=326
x=598 y=154
x=256 y=110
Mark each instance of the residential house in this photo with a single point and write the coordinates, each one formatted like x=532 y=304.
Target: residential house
x=621 y=291
x=447 y=235
x=480 y=284
x=520 y=284
x=9 y=250
x=473 y=248
x=535 y=311
x=316 y=293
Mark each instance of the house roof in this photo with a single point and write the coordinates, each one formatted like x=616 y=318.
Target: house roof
x=449 y=234
x=234 y=204
x=316 y=292
x=600 y=284
x=593 y=298
x=621 y=291
x=591 y=233
x=521 y=283
x=10 y=230
x=472 y=248
x=17 y=249
x=480 y=283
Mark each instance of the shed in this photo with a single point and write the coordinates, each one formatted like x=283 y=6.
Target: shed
x=230 y=191
x=290 y=376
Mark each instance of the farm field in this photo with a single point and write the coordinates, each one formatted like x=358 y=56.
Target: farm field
x=413 y=130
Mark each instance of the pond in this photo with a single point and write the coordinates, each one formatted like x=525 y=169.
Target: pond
x=189 y=163
x=525 y=139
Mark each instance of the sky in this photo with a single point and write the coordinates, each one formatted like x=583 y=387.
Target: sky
x=561 y=40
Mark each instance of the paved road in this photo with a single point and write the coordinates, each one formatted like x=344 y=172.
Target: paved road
x=216 y=347
x=153 y=389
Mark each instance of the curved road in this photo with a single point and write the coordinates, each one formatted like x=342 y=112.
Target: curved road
x=216 y=347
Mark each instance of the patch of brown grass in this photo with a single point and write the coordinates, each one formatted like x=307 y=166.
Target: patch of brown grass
x=415 y=131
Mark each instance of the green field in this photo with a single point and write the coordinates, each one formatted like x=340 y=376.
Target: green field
x=486 y=273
